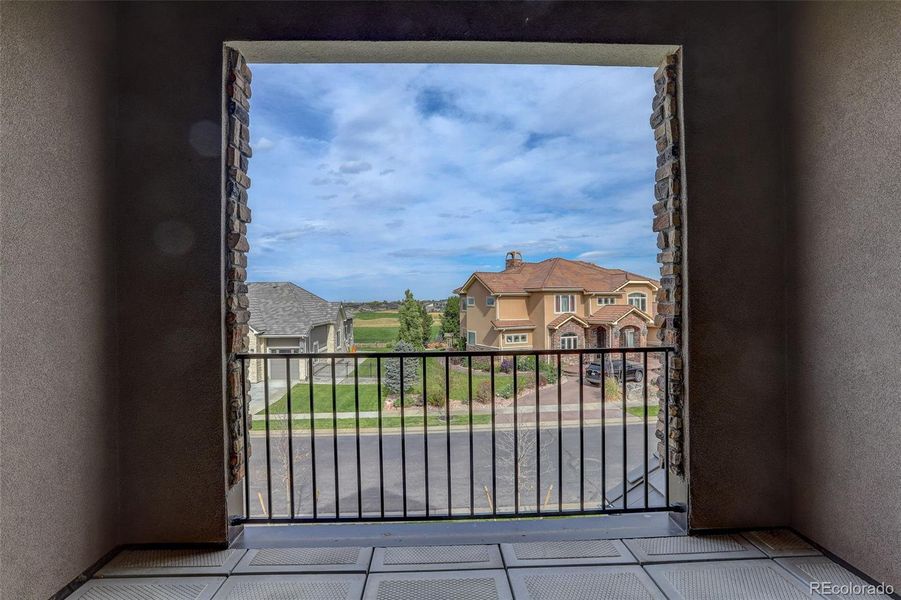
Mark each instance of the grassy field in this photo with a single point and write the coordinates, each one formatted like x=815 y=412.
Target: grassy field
x=382 y=327
x=638 y=411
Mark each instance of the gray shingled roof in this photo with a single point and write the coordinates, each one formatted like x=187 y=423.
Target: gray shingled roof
x=282 y=308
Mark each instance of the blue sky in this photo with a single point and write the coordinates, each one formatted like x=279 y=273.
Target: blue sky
x=372 y=178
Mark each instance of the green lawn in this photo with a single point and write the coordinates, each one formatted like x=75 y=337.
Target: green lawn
x=375 y=335
x=638 y=411
x=368 y=392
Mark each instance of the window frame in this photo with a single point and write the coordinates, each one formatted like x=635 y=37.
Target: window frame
x=490 y=301
x=566 y=337
x=605 y=300
x=644 y=300
x=558 y=303
x=470 y=301
x=524 y=336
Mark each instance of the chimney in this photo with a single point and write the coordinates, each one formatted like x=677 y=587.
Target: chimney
x=513 y=260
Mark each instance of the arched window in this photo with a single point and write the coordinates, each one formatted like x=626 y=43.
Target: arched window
x=639 y=301
x=569 y=341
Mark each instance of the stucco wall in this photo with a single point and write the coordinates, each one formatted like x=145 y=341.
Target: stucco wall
x=59 y=478
x=843 y=154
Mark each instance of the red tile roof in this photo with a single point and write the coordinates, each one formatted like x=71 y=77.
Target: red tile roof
x=556 y=273
x=612 y=313
x=564 y=318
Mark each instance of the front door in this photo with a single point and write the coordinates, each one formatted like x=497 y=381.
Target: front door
x=602 y=337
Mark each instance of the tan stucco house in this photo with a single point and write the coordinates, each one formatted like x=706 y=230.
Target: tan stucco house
x=285 y=319
x=557 y=303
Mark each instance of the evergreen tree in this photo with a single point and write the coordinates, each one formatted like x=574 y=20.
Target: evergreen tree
x=412 y=369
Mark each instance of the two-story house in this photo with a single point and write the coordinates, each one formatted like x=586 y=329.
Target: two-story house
x=557 y=303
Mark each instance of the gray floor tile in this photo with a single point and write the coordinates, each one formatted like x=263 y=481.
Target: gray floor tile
x=435 y=558
x=688 y=548
x=584 y=583
x=759 y=579
x=439 y=585
x=329 y=586
x=149 y=588
x=780 y=542
x=822 y=570
x=305 y=560
x=585 y=552
x=164 y=563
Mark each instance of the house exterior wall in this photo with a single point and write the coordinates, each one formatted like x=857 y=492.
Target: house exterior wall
x=479 y=316
x=321 y=338
x=512 y=307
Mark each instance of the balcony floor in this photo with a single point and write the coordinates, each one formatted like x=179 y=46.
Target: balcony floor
x=607 y=558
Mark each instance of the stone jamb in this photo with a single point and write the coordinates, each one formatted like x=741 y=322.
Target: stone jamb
x=237 y=216
x=668 y=211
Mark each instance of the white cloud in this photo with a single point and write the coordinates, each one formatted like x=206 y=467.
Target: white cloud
x=548 y=160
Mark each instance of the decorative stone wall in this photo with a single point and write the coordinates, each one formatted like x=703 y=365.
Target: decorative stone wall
x=237 y=216
x=668 y=211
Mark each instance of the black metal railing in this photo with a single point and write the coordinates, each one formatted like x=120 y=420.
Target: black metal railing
x=512 y=433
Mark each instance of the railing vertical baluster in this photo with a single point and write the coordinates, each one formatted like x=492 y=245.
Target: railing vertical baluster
x=581 y=436
x=425 y=432
x=378 y=385
x=290 y=437
x=245 y=416
x=313 y=443
x=537 y=437
x=625 y=446
x=268 y=450
x=645 y=430
x=603 y=430
x=515 y=439
x=666 y=424
x=357 y=410
x=472 y=496
x=447 y=417
x=493 y=441
x=559 y=436
x=403 y=439
x=335 y=440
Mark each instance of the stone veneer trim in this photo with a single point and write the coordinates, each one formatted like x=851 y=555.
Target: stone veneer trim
x=237 y=216
x=668 y=211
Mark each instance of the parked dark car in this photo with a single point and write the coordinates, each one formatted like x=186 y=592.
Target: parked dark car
x=614 y=368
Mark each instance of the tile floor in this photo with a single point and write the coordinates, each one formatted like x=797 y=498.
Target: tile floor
x=757 y=565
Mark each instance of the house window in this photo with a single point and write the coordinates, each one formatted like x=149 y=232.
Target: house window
x=569 y=341
x=564 y=303
x=629 y=337
x=470 y=337
x=639 y=301
x=603 y=300
x=516 y=338
x=295 y=350
x=470 y=301
x=489 y=301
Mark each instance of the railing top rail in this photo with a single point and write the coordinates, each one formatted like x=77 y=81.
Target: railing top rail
x=461 y=353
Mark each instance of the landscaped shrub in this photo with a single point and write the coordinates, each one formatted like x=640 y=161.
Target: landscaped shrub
x=506 y=366
x=483 y=392
x=435 y=394
x=613 y=389
x=481 y=363
x=505 y=391
x=548 y=372
x=525 y=363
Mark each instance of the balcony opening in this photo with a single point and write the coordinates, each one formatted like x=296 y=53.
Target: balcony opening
x=446 y=302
